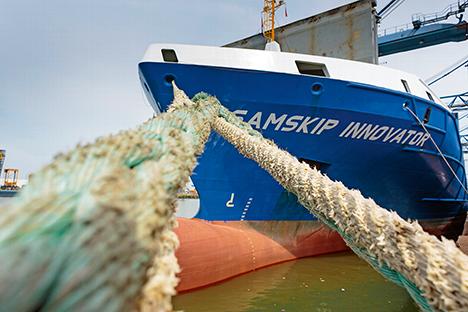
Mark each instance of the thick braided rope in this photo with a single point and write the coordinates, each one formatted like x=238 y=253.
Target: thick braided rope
x=67 y=256
x=95 y=225
x=434 y=271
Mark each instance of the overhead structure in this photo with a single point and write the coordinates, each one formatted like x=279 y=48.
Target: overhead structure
x=354 y=29
x=457 y=101
x=459 y=105
x=453 y=9
x=425 y=30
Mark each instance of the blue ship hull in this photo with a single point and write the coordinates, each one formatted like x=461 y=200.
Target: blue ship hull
x=356 y=133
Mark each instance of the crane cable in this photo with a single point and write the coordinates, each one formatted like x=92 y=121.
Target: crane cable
x=447 y=71
x=389 y=8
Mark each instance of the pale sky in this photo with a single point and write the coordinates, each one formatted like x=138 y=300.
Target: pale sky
x=68 y=69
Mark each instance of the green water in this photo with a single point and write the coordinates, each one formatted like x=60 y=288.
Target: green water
x=338 y=282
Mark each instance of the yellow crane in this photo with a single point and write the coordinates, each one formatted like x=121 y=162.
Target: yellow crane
x=268 y=18
x=11 y=179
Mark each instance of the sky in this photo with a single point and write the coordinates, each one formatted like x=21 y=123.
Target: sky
x=68 y=69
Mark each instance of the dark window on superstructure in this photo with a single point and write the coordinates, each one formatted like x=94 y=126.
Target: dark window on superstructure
x=169 y=55
x=405 y=85
x=430 y=96
x=313 y=69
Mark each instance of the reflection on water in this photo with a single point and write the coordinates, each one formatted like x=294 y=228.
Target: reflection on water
x=338 y=282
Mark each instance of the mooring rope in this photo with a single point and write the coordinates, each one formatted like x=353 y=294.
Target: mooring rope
x=93 y=230
x=434 y=272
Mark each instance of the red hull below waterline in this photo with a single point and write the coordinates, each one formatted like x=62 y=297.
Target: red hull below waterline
x=211 y=252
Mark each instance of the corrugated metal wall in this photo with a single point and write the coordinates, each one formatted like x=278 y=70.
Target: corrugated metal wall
x=348 y=32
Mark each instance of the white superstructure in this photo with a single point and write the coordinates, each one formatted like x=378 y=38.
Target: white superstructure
x=283 y=62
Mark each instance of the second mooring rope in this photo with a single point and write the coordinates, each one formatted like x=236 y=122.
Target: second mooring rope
x=435 y=272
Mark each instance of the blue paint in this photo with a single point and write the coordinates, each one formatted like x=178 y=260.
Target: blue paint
x=425 y=36
x=400 y=177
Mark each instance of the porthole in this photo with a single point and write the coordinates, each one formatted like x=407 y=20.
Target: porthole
x=317 y=88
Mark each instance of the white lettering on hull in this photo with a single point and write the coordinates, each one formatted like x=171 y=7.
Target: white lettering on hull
x=292 y=123
x=275 y=121
x=317 y=126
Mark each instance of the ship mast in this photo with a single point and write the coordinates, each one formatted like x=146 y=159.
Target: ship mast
x=268 y=18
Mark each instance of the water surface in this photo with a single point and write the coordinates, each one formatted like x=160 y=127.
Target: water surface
x=337 y=282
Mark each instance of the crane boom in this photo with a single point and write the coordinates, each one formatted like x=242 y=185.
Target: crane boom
x=453 y=9
x=425 y=30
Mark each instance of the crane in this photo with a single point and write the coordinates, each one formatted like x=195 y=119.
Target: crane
x=268 y=18
x=425 y=29
x=11 y=179
x=453 y=9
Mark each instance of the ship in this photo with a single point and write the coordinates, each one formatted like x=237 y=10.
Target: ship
x=376 y=129
x=379 y=130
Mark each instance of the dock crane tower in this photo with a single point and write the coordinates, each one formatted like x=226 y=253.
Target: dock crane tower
x=268 y=22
